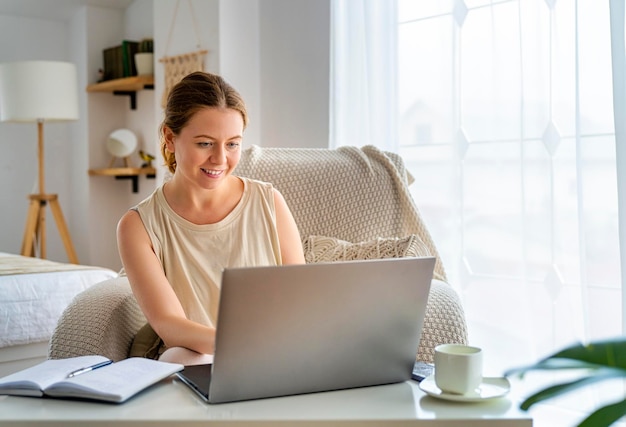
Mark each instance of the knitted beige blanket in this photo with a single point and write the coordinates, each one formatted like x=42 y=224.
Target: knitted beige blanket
x=352 y=193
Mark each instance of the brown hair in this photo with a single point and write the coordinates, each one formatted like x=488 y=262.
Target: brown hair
x=194 y=92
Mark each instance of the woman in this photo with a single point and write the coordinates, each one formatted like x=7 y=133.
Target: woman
x=175 y=244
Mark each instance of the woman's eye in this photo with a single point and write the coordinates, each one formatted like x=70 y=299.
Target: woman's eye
x=205 y=144
x=233 y=145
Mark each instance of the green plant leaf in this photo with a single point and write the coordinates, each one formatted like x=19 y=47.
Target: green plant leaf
x=600 y=360
x=558 y=389
x=600 y=354
x=605 y=416
x=553 y=364
x=607 y=353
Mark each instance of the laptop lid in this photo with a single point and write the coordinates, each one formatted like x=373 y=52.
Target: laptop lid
x=297 y=329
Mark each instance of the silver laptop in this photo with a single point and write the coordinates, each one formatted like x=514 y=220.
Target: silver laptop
x=316 y=327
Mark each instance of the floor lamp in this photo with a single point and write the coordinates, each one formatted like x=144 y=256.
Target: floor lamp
x=40 y=91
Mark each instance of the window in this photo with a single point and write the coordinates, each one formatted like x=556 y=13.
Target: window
x=504 y=115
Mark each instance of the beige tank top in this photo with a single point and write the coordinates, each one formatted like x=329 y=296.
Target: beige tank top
x=193 y=256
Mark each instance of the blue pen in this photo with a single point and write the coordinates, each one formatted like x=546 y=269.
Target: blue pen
x=89 y=368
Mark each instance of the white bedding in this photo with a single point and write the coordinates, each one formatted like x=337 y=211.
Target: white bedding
x=31 y=303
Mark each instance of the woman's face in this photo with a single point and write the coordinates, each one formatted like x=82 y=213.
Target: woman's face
x=208 y=148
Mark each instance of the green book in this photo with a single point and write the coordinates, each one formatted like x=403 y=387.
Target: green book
x=129 y=49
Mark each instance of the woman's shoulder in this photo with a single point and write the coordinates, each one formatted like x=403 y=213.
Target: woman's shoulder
x=253 y=181
x=129 y=220
x=260 y=191
x=256 y=184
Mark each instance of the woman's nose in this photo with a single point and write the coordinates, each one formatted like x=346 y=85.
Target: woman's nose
x=218 y=154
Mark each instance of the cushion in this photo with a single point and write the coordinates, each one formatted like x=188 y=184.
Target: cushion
x=147 y=344
x=329 y=249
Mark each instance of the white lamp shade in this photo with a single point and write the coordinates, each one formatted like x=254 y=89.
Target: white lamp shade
x=38 y=90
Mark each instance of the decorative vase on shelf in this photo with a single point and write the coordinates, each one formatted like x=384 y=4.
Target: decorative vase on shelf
x=144 y=62
x=144 y=59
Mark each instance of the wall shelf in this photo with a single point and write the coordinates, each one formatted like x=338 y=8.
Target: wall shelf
x=126 y=173
x=126 y=86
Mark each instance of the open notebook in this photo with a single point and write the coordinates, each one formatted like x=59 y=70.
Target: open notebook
x=314 y=327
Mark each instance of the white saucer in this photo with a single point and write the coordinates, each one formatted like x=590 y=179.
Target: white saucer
x=490 y=388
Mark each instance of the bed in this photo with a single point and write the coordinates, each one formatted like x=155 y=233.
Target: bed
x=33 y=294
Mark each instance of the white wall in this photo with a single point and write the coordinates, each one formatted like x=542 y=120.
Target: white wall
x=295 y=72
x=109 y=198
x=240 y=58
x=78 y=197
x=175 y=34
x=275 y=52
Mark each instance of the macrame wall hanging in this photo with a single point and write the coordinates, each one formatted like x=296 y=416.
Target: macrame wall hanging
x=178 y=66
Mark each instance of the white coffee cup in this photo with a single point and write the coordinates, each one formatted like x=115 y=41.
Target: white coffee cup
x=458 y=368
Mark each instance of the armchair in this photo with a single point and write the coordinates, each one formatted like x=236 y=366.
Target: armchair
x=355 y=198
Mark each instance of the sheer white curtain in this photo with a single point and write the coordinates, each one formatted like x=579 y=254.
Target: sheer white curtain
x=504 y=114
x=363 y=109
x=618 y=59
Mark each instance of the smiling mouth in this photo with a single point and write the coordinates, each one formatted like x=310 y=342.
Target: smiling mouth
x=209 y=172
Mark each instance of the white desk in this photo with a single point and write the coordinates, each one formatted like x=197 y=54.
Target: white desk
x=172 y=403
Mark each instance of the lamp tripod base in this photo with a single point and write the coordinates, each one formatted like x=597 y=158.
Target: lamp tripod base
x=35 y=230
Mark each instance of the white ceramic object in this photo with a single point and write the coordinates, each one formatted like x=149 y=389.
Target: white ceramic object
x=144 y=63
x=122 y=143
x=458 y=368
x=489 y=388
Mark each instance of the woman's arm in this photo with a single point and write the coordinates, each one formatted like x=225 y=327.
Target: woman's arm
x=288 y=234
x=154 y=293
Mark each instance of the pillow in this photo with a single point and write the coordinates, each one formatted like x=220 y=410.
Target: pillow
x=329 y=249
x=147 y=343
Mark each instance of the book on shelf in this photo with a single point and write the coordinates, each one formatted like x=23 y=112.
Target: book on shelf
x=129 y=49
x=119 y=61
x=113 y=65
x=94 y=378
